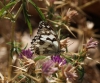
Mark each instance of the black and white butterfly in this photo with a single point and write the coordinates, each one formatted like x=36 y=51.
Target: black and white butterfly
x=46 y=41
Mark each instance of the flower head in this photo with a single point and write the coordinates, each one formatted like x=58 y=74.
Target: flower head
x=49 y=68
x=69 y=73
x=91 y=43
x=70 y=14
x=57 y=59
x=27 y=53
x=64 y=42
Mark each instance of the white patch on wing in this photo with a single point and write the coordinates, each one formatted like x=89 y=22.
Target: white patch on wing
x=43 y=39
x=43 y=25
x=48 y=42
x=56 y=44
x=51 y=36
x=38 y=41
x=42 y=32
x=48 y=26
x=49 y=48
x=53 y=32
x=44 y=36
x=37 y=45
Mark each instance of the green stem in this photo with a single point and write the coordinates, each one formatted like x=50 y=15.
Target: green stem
x=37 y=80
x=88 y=4
x=18 y=12
x=12 y=38
x=10 y=15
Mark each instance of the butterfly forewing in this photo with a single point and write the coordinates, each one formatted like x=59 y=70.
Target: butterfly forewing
x=46 y=41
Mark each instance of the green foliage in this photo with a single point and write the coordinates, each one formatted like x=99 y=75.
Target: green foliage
x=5 y=8
x=15 y=48
x=50 y=12
x=39 y=58
x=27 y=17
x=81 y=72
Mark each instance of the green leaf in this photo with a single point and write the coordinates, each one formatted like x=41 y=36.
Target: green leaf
x=9 y=43
x=81 y=72
x=26 y=46
x=38 y=10
x=78 y=58
x=3 y=11
x=69 y=60
x=27 y=17
x=29 y=25
x=15 y=48
x=50 y=12
x=68 y=29
x=39 y=58
x=18 y=50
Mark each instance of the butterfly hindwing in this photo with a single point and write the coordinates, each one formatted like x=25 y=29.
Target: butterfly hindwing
x=45 y=42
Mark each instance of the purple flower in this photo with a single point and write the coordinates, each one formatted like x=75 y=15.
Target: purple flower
x=70 y=14
x=91 y=43
x=27 y=53
x=48 y=68
x=57 y=59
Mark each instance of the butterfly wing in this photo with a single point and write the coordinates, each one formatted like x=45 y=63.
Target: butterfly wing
x=45 y=42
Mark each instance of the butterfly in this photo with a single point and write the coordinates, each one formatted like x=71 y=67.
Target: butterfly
x=46 y=41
